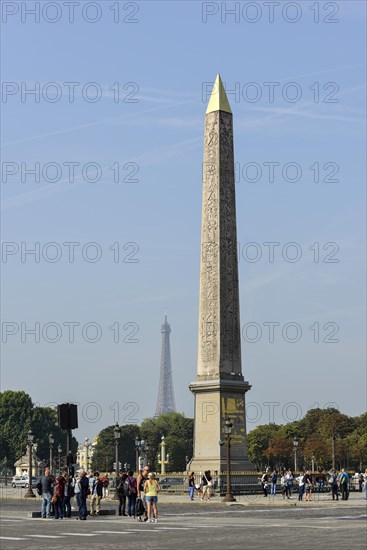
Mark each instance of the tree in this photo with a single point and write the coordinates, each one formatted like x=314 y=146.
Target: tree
x=17 y=416
x=258 y=442
x=104 y=451
x=279 y=451
x=15 y=421
x=178 y=432
x=317 y=448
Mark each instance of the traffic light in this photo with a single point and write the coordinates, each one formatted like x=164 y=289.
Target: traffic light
x=68 y=416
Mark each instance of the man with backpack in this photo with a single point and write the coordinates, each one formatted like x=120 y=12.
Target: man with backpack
x=344 y=481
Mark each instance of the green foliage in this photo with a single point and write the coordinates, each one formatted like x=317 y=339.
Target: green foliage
x=104 y=451
x=314 y=433
x=258 y=441
x=178 y=432
x=17 y=416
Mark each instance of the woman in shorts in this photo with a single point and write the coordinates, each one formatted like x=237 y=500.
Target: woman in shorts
x=206 y=484
x=151 y=490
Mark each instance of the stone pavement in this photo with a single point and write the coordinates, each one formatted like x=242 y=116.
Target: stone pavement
x=183 y=524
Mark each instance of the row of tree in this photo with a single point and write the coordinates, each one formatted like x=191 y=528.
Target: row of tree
x=17 y=415
x=319 y=434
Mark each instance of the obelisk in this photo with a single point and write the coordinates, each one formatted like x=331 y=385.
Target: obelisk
x=219 y=386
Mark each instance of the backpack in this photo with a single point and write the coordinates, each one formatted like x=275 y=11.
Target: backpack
x=39 y=488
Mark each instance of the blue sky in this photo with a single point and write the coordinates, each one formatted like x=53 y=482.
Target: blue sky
x=164 y=60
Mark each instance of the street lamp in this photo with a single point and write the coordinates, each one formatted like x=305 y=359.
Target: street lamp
x=141 y=450
x=86 y=447
x=137 y=454
x=6 y=471
x=295 y=449
x=117 y=435
x=333 y=450
x=228 y=430
x=30 y=493
x=51 y=441
x=162 y=460
x=59 y=450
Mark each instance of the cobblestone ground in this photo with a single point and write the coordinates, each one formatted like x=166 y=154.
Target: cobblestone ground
x=182 y=524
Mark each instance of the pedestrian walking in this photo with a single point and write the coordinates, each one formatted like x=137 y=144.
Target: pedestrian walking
x=191 y=485
x=206 y=485
x=151 y=490
x=96 y=495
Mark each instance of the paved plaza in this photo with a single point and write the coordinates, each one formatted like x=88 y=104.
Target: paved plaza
x=250 y=524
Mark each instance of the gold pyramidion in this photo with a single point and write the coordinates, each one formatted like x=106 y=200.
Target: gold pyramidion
x=218 y=100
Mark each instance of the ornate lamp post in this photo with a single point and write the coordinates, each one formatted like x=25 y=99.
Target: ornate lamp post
x=295 y=449
x=333 y=450
x=6 y=471
x=163 y=459
x=86 y=447
x=59 y=450
x=117 y=435
x=228 y=430
x=30 y=493
x=141 y=450
x=51 y=441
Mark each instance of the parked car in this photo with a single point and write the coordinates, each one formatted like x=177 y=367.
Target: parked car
x=172 y=483
x=23 y=481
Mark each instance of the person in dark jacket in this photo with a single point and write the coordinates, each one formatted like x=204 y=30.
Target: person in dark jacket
x=81 y=492
x=123 y=491
x=96 y=495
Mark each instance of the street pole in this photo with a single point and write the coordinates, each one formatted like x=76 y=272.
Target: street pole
x=30 y=493
x=6 y=471
x=333 y=451
x=59 y=450
x=295 y=448
x=228 y=430
x=51 y=442
x=117 y=435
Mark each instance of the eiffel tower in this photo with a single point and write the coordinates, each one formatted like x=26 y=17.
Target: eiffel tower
x=166 y=398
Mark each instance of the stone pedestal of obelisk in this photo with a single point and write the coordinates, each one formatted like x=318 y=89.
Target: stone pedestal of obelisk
x=219 y=387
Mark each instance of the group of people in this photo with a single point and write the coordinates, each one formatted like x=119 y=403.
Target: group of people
x=204 y=488
x=308 y=483
x=137 y=496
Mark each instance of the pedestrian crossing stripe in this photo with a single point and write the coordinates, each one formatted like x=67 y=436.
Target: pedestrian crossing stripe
x=46 y=536
x=80 y=534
